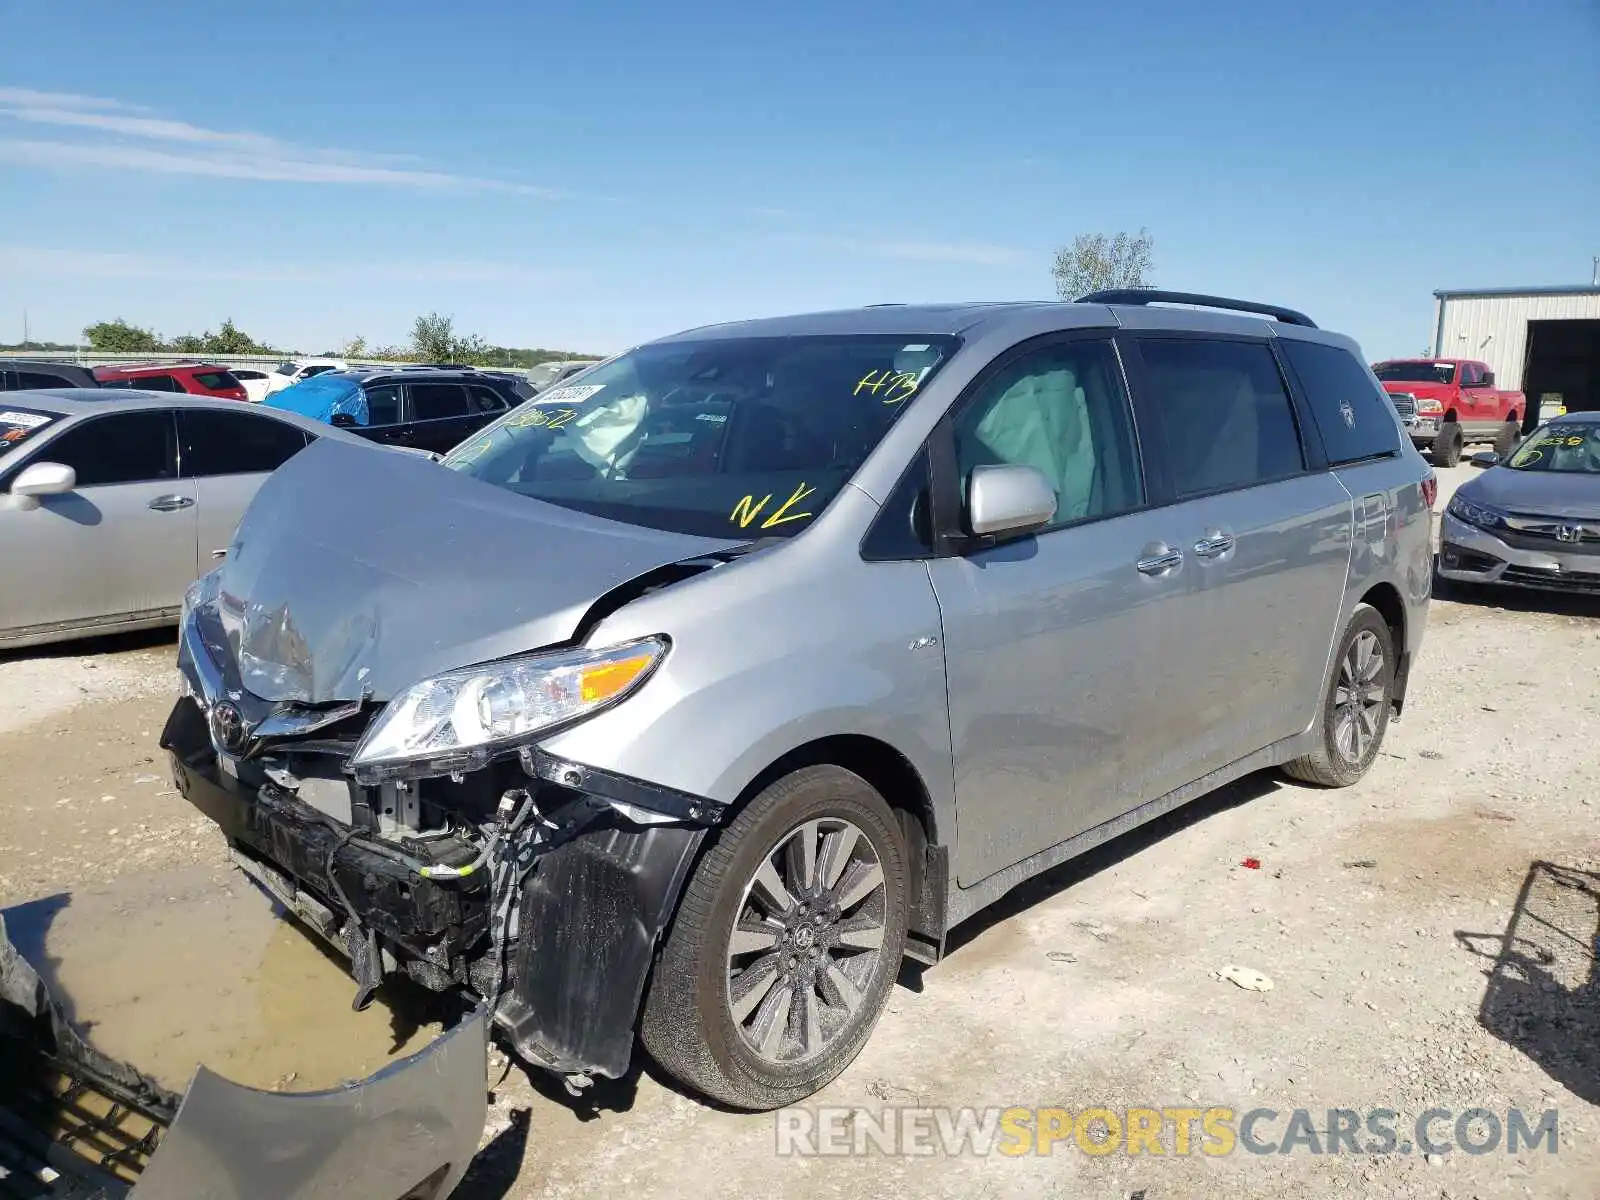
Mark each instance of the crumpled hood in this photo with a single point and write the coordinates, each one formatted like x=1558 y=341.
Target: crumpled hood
x=1537 y=493
x=356 y=572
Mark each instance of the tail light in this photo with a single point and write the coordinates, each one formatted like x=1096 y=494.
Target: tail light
x=1430 y=489
x=1429 y=408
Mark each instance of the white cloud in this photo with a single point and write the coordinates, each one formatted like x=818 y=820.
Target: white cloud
x=27 y=96
x=124 y=140
x=25 y=262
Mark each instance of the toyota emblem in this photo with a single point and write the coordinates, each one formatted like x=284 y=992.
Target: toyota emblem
x=1569 y=533
x=228 y=729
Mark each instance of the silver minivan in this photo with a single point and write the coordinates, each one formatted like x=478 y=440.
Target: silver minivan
x=688 y=698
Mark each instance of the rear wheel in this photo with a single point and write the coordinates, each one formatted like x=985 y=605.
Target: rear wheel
x=786 y=944
x=1355 y=706
x=1508 y=439
x=1447 y=445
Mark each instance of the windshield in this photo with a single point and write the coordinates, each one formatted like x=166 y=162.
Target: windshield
x=1416 y=371
x=17 y=425
x=285 y=368
x=739 y=436
x=1571 y=449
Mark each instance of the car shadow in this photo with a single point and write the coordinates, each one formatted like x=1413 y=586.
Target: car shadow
x=164 y=637
x=1543 y=992
x=1075 y=871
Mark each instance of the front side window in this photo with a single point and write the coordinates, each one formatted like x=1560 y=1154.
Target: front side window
x=1063 y=411
x=737 y=437
x=220 y=443
x=1356 y=419
x=317 y=369
x=383 y=404
x=1226 y=414
x=1569 y=448
x=134 y=447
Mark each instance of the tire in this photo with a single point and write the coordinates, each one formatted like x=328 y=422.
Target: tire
x=781 y=1050
x=1508 y=439
x=1333 y=764
x=1447 y=445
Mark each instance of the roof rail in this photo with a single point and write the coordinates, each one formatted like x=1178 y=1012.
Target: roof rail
x=1152 y=296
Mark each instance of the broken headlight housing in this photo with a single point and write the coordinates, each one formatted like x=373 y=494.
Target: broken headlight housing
x=456 y=722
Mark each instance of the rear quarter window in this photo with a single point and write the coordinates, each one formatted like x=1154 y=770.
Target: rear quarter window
x=1352 y=413
x=216 y=380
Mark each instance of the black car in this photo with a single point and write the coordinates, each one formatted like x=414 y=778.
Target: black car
x=427 y=408
x=19 y=373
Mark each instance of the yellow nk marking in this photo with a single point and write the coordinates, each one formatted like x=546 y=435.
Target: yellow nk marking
x=749 y=508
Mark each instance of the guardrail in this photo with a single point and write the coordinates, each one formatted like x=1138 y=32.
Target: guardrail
x=258 y=362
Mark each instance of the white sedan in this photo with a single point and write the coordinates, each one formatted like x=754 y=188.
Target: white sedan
x=112 y=502
x=287 y=374
x=256 y=384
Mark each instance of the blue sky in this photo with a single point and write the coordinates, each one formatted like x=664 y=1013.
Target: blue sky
x=591 y=176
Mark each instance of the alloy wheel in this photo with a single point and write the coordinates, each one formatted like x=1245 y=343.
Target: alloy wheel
x=1359 y=697
x=807 y=941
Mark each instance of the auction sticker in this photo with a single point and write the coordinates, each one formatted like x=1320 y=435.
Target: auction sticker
x=576 y=394
x=24 y=420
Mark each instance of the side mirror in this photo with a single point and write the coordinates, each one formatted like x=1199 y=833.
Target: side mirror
x=1485 y=458
x=1488 y=379
x=42 y=479
x=1008 y=499
x=343 y=421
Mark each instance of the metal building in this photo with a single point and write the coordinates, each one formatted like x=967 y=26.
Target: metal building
x=1543 y=340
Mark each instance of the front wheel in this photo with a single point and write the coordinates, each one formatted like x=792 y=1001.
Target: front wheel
x=786 y=944
x=1355 y=706
x=1508 y=439
x=1447 y=445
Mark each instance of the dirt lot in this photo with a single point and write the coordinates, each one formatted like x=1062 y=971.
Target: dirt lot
x=1430 y=936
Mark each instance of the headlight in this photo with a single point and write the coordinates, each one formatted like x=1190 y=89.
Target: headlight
x=1481 y=515
x=1429 y=408
x=201 y=591
x=458 y=721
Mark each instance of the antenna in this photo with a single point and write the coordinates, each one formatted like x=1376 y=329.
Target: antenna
x=1596 y=279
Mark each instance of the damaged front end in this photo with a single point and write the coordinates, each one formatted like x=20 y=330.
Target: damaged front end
x=538 y=885
x=77 y=1125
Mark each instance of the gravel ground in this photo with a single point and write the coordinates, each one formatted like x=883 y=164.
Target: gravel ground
x=1430 y=937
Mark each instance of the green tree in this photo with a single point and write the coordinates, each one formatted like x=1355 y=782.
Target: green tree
x=118 y=337
x=189 y=343
x=355 y=347
x=229 y=339
x=1095 y=262
x=433 y=338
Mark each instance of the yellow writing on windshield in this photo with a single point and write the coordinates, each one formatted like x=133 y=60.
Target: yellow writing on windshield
x=750 y=509
x=536 y=417
x=895 y=386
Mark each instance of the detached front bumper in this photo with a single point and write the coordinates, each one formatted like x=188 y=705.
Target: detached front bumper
x=79 y=1126
x=1468 y=554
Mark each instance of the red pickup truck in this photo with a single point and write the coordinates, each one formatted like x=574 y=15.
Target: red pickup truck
x=1448 y=402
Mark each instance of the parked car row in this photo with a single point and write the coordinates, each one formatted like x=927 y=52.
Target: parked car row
x=192 y=378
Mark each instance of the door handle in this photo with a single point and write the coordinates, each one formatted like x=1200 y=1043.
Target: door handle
x=170 y=503
x=1214 y=546
x=1160 y=564
x=223 y=553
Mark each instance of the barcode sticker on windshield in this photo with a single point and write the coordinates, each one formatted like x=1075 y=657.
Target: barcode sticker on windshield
x=24 y=419
x=575 y=394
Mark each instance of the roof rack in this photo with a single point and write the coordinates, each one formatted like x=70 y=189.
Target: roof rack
x=1152 y=296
